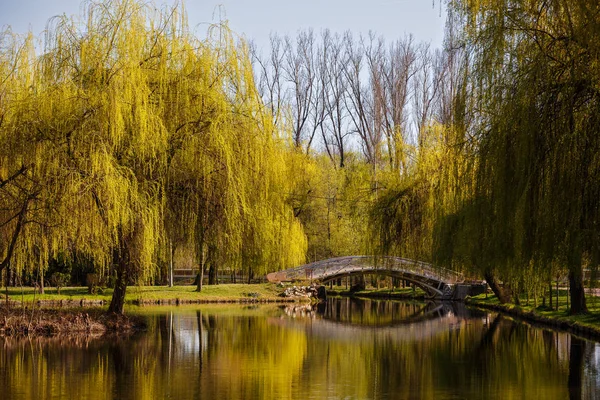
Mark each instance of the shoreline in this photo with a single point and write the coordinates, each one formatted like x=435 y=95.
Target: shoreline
x=143 y=295
x=564 y=323
x=79 y=314
x=50 y=318
x=84 y=303
x=90 y=322
x=85 y=316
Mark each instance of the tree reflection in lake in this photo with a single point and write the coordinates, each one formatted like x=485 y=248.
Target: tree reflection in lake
x=348 y=348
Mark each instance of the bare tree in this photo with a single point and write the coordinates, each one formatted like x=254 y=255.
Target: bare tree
x=269 y=76
x=301 y=75
x=361 y=98
x=340 y=87
x=332 y=64
x=427 y=83
x=398 y=72
x=319 y=111
x=451 y=107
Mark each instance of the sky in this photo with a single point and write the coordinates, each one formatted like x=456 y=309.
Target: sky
x=257 y=19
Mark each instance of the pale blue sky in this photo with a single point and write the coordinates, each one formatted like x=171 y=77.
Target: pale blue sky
x=256 y=19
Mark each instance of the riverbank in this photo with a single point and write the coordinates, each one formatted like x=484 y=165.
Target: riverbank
x=93 y=322
x=585 y=324
x=145 y=295
x=24 y=312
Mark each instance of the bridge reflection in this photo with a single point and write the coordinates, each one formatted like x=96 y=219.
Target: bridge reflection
x=344 y=318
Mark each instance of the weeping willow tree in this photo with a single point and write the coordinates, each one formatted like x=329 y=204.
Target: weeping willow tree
x=536 y=190
x=94 y=145
x=410 y=214
x=404 y=218
x=28 y=191
x=226 y=164
x=128 y=133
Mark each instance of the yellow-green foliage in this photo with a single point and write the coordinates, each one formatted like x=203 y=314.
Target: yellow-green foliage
x=405 y=214
x=332 y=203
x=128 y=128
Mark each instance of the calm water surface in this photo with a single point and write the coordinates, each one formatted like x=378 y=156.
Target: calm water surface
x=347 y=349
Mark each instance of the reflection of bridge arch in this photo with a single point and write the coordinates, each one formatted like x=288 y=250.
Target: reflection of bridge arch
x=436 y=322
x=436 y=282
x=422 y=312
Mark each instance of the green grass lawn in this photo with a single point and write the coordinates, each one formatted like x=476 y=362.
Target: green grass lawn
x=210 y=293
x=28 y=294
x=231 y=291
x=221 y=292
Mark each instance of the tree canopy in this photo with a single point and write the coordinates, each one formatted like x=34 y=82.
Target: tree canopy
x=128 y=132
x=125 y=138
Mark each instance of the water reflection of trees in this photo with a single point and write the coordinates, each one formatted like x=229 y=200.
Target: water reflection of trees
x=475 y=359
x=213 y=354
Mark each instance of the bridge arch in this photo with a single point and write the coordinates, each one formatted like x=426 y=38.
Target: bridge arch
x=437 y=282
x=434 y=290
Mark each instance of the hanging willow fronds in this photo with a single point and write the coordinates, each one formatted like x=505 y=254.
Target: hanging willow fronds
x=129 y=128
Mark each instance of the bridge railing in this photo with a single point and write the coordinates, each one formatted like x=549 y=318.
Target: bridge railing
x=352 y=264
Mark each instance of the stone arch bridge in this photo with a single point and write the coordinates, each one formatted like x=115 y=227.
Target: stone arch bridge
x=438 y=283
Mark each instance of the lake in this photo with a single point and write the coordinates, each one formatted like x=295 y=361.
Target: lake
x=344 y=349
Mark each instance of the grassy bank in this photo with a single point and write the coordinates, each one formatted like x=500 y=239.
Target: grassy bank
x=150 y=294
x=586 y=324
x=92 y=322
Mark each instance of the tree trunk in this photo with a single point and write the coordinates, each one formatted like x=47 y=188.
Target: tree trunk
x=212 y=274
x=557 y=294
x=516 y=299
x=118 y=298
x=200 y=278
x=15 y=235
x=171 y=263
x=578 y=304
x=7 y=276
x=201 y=269
x=41 y=280
x=122 y=258
x=501 y=293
